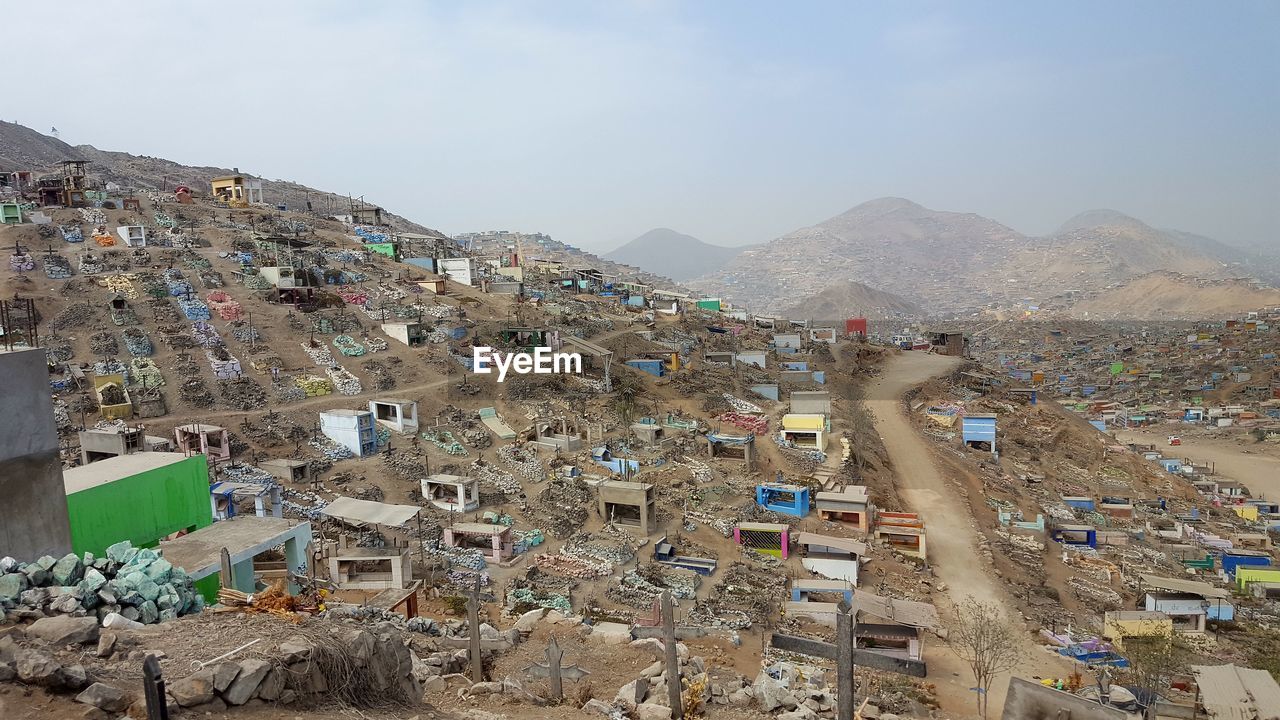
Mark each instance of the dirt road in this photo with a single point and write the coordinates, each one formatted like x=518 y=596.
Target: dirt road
x=953 y=539
x=1256 y=465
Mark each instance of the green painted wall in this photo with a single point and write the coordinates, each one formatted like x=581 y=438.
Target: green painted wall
x=208 y=588
x=141 y=508
x=388 y=249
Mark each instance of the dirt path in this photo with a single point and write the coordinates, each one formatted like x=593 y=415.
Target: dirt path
x=953 y=539
x=1256 y=465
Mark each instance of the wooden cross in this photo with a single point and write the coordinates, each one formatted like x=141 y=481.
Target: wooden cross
x=473 y=626
x=672 y=659
x=846 y=657
x=554 y=671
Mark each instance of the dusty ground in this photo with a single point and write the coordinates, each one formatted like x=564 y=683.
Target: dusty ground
x=952 y=537
x=1235 y=457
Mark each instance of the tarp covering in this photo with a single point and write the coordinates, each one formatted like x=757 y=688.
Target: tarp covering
x=368 y=511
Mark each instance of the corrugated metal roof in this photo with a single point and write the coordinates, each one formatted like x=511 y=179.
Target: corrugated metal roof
x=906 y=612
x=846 y=544
x=1235 y=693
x=1183 y=586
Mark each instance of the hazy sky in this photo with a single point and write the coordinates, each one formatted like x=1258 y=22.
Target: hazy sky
x=732 y=121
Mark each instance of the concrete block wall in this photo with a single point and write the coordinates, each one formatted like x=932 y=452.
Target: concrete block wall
x=33 y=514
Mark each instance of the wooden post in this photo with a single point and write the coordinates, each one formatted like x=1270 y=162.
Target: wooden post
x=672 y=657
x=846 y=621
x=153 y=689
x=224 y=572
x=473 y=627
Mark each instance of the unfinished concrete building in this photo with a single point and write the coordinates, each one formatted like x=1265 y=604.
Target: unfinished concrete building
x=493 y=541
x=903 y=531
x=197 y=438
x=33 y=516
x=288 y=470
x=395 y=414
x=451 y=492
x=737 y=447
x=768 y=538
x=410 y=333
x=223 y=496
x=649 y=433
x=557 y=434
x=631 y=504
x=368 y=568
x=100 y=444
x=851 y=506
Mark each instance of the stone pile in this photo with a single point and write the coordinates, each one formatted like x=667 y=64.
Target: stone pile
x=243 y=332
x=312 y=385
x=358 y=667
x=93 y=216
x=240 y=472
x=757 y=424
x=242 y=394
x=501 y=481
x=121 y=285
x=71 y=233
x=111 y=367
x=348 y=346
x=195 y=392
x=193 y=309
x=743 y=406
x=21 y=262
x=444 y=440
x=524 y=462
x=405 y=465
x=254 y=281
x=57 y=348
x=179 y=288
x=210 y=278
x=137 y=343
x=319 y=355
x=56 y=267
x=343 y=381
x=379 y=374
x=90 y=264
x=205 y=335
x=353 y=296
x=137 y=584
x=470 y=558
x=330 y=449
x=221 y=303
x=144 y=371
x=103 y=343
x=61 y=415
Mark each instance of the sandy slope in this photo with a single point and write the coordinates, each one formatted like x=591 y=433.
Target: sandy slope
x=1255 y=465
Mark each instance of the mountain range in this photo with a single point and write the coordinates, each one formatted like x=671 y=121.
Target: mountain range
x=959 y=263
x=852 y=299
x=665 y=252
x=884 y=257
